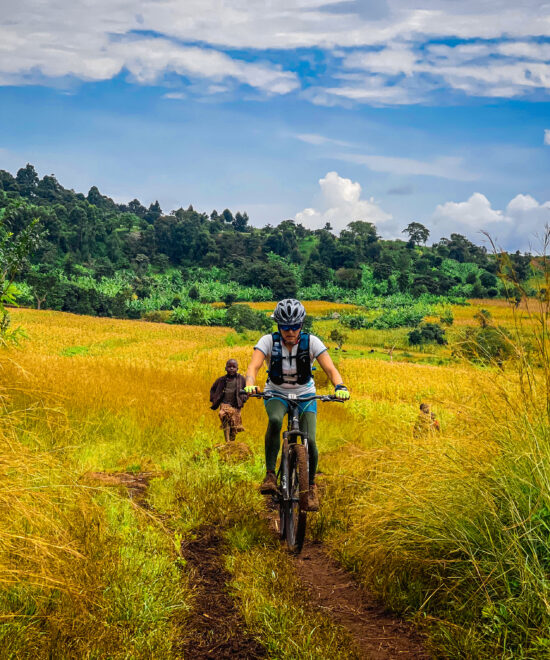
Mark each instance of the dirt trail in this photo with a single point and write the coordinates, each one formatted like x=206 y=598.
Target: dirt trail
x=217 y=629
x=136 y=483
x=377 y=635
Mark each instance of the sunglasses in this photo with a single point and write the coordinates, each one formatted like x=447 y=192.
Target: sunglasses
x=296 y=326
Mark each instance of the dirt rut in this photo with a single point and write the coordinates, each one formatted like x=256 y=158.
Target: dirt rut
x=217 y=629
x=136 y=483
x=376 y=635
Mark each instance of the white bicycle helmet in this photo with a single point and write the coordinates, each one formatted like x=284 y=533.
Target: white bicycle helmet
x=289 y=312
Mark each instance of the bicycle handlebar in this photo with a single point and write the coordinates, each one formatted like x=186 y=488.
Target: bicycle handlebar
x=294 y=399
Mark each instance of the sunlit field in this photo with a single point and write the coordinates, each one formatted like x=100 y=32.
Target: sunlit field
x=448 y=528
x=314 y=307
x=503 y=312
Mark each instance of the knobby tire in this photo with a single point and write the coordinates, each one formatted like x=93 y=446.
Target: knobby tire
x=282 y=477
x=296 y=507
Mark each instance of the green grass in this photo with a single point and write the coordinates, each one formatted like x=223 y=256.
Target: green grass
x=274 y=603
x=94 y=575
x=71 y=351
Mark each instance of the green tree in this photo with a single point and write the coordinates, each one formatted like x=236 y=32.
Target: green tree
x=338 y=337
x=315 y=272
x=153 y=213
x=136 y=207
x=27 y=179
x=14 y=253
x=348 y=278
x=244 y=317
x=283 y=284
x=8 y=182
x=427 y=333
x=228 y=216
x=240 y=223
x=417 y=233
x=42 y=284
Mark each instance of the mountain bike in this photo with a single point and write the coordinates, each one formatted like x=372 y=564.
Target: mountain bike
x=293 y=474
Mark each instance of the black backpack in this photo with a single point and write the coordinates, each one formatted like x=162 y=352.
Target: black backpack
x=303 y=362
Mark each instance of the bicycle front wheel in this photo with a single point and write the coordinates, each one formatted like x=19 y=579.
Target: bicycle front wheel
x=296 y=505
x=283 y=494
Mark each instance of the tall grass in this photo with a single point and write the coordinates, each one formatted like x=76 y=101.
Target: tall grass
x=82 y=573
x=452 y=528
x=137 y=399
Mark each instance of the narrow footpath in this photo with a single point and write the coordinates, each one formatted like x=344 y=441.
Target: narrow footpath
x=216 y=630
x=376 y=635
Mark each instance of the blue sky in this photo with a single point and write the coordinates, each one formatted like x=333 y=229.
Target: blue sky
x=298 y=109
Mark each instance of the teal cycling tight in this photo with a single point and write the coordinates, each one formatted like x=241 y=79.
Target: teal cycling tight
x=276 y=411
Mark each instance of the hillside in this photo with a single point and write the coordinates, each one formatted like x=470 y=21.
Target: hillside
x=102 y=258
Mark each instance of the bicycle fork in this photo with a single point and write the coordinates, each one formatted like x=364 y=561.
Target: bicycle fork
x=293 y=432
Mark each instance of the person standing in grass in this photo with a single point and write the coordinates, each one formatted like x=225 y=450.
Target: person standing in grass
x=426 y=422
x=289 y=354
x=226 y=394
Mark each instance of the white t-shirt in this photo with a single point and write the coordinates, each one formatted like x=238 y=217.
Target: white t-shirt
x=290 y=375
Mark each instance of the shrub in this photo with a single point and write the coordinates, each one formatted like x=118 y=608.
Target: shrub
x=446 y=317
x=198 y=314
x=398 y=317
x=348 y=278
x=158 y=316
x=355 y=321
x=338 y=337
x=229 y=299
x=244 y=317
x=428 y=333
x=485 y=345
x=308 y=324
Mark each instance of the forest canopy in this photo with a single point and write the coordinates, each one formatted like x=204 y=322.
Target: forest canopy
x=96 y=256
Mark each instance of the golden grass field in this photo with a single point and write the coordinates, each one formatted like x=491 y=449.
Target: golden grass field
x=313 y=307
x=435 y=523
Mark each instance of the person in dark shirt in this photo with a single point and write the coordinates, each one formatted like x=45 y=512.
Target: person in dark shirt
x=226 y=395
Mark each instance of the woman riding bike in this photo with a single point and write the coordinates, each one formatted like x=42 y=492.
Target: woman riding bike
x=289 y=355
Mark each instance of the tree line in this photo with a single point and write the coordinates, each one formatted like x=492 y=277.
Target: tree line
x=93 y=236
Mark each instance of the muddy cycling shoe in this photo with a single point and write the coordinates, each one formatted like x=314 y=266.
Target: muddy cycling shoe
x=313 y=499
x=269 y=484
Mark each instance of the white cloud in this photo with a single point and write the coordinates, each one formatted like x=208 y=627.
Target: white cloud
x=374 y=90
x=390 y=61
x=341 y=204
x=525 y=50
x=41 y=40
x=148 y=60
x=476 y=213
x=547 y=136
x=498 y=79
x=508 y=69
x=319 y=140
x=517 y=225
x=445 y=167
